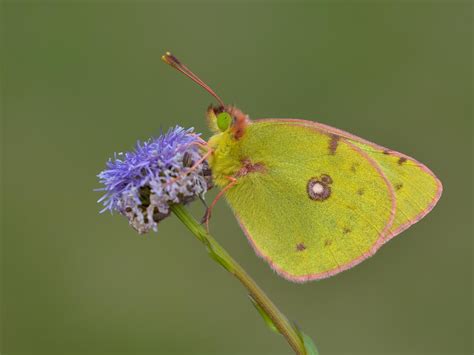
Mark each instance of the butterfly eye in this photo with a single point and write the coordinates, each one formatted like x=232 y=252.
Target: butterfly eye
x=223 y=121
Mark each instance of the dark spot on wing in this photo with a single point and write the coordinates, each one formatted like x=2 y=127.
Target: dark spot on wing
x=327 y=242
x=346 y=230
x=386 y=152
x=353 y=168
x=318 y=188
x=326 y=179
x=249 y=167
x=300 y=247
x=333 y=144
x=402 y=160
x=360 y=192
x=398 y=186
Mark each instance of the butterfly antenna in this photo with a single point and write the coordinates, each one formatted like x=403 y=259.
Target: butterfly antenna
x=171 y=60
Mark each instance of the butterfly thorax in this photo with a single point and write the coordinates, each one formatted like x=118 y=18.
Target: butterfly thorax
x=226 y=159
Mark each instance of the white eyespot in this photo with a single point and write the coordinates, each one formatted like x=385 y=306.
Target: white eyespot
x=318 y=188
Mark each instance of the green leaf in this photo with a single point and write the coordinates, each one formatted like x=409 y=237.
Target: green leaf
x=309 y=345
x=268 y=321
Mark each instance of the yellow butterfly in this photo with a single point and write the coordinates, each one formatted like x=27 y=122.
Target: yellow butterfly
x=312 y=200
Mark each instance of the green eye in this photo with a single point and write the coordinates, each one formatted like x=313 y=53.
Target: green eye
x=223 y=121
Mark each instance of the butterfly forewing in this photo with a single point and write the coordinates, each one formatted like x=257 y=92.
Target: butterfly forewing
x=416 y=188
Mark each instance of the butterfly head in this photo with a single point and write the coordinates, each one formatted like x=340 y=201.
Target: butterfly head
x=226 y=118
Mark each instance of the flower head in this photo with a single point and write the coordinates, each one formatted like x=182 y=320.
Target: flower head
x=162 y=171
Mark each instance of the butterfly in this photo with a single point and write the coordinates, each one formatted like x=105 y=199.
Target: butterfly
x=312 y=200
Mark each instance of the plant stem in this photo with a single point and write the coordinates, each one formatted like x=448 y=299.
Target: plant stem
x=281 y=323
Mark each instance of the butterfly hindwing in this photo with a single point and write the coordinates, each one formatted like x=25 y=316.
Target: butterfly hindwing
x=316 y=205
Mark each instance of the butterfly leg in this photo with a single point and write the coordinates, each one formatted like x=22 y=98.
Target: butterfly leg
x=201 y=198
x=198 y=137
x=196 y=164
x=203 y=158
x=207 y=215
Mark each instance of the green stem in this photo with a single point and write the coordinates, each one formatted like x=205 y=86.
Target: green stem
x=281 y=323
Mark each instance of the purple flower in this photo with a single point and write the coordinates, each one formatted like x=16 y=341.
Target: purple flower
x=142 y=184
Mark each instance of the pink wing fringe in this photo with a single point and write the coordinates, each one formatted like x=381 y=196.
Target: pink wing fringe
x=383 y=237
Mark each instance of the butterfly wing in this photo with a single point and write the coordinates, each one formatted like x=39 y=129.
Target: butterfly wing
x=417 y=189
x=321 y=201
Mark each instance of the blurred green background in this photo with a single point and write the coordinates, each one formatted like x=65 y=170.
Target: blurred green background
x=82 y=80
